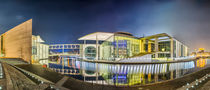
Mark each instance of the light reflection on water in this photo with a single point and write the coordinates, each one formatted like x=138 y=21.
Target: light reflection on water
x=128 y=74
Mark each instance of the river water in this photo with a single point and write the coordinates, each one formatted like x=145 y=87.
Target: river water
x=125 y=73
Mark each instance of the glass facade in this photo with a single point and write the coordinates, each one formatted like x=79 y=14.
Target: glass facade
x=90 y=53
x=126 y=46
x=164 y=46
x=58 y=51
x=117 y=47
x=123 y=45
x=64 y=49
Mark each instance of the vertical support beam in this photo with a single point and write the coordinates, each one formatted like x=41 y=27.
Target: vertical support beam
x=172 y=75
x=96 y=47
x=96 y=72
x=156 y=77
x=172 y=48
x=113 y=51
x=149 y=47
x=156 y=47
x=63 y=64
x=96 y=58
x=149 y=77
x=117 y=48
x=177 y=73
x=63 y=49
x=177 y=48
x=83 y=49
x=141 y=46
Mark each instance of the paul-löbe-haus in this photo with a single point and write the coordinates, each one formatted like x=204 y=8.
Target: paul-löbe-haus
x=19 y=42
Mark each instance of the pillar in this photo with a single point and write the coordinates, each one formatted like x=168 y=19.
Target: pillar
x=96 y=47
x=177 y=49
x=156 y=77
x=156 y=47
x=172 y=75
x=96 y=58
x=96 y=72
x=172 y=48
x=83 y=49
x=149 y=47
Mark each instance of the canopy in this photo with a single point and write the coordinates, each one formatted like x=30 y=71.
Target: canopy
x=157 y=35
x=97 y=36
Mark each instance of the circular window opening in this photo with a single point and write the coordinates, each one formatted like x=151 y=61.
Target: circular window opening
x=90 y=53
x=89 y=72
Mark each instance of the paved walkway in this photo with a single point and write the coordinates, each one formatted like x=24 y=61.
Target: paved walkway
x=206 y=86
x=15 y=80
x=2 y=78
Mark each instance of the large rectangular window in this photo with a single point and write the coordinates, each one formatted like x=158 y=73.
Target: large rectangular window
x=164 y=46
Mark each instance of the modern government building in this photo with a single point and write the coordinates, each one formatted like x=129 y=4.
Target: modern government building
x=19 y=42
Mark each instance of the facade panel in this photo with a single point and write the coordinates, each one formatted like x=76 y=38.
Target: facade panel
x=17 y=41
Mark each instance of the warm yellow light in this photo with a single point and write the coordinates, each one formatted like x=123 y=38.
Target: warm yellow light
x=200 y=49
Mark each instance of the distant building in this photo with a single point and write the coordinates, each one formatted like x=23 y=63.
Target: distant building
x=19 y=42
x=115 y=46
x=40 y=51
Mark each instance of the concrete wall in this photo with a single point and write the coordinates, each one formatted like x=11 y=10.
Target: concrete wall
x=17 y=41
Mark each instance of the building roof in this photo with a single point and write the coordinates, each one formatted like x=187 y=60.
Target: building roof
x=38 y=39
x=157 y=35
x=97 y=36
x=124 y=34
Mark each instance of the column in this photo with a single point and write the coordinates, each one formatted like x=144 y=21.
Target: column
x=96 y=58
x=156 y=47
x=149 y=47
x=172 y=75
x=63 y=64
x=156 y=77
x=172 y=48
x=177 y=49
x=83 y=49
x=96 y=47
x=96 y=72
x=142 y=46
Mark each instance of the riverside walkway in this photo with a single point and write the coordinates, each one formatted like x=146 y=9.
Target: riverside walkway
x=13 y=79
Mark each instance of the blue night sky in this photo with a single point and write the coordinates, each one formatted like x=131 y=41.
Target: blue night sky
x=64 y=21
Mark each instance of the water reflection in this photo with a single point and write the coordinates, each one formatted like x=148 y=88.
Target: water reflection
x=126 y=74
x=201 y=62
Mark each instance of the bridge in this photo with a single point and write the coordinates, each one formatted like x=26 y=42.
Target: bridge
x=91 y=75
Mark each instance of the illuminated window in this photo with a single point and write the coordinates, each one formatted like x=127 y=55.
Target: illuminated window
x=90 y=52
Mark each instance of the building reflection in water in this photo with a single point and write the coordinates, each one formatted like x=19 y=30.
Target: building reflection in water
x=201 y=62
x=127 y=74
